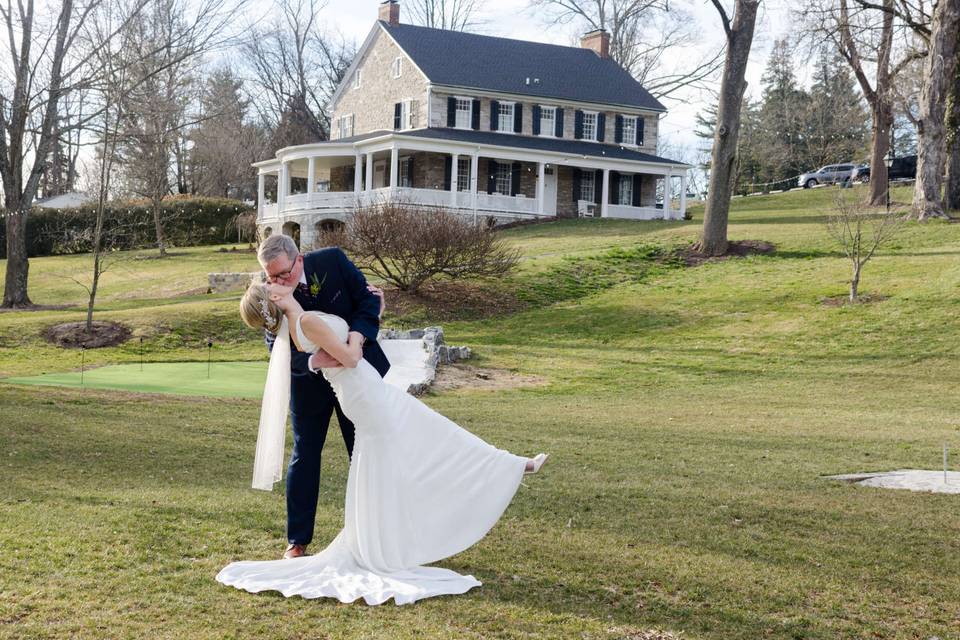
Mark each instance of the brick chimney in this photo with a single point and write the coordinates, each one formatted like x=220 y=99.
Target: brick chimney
x=390 y=12
x=597 y=41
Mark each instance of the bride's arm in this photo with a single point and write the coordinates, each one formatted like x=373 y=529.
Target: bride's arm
x=324 y=337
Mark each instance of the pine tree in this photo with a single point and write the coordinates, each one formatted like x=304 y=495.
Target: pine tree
x=837 y=120
x=783 y=103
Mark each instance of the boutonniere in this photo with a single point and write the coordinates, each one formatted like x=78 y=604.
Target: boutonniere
x=316 y=285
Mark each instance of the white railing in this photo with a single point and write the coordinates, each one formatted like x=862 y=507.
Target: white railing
x=269 y=211
x=636 y=213
x=346 y=200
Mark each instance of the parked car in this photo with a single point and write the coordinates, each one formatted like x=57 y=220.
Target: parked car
x=830 y=174
x=902 y=168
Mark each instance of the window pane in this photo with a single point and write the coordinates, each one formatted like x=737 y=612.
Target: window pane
x=503 y=179
x=630 y=130
x=590 y=126
x=505 y=117
x=586 y=186
x=463 y=174
x=464 y=108
x=547 y=121
x=626 y=190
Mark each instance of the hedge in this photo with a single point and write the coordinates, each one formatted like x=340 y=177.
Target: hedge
x=186 y=221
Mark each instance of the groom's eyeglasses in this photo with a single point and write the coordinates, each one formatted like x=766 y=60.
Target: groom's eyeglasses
x=283 y=275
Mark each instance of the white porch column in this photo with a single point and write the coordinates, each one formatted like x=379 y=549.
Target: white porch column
x=605 y=195
x=311 y=174
x=541 y=174
x=261 y=194
x=283 y=187
x=358 y=173
x=370 y=171
x=454 y=175
x=394 y=168
x=667 y=200
x=474 y=168
x=683 y=195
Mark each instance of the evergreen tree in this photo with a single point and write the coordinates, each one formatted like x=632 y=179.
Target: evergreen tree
x=837 y=120
x=781 y=135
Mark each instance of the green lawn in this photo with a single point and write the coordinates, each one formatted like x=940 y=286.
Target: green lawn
x=690 y=413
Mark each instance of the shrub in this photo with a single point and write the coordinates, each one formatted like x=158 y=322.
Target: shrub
x=407 y=245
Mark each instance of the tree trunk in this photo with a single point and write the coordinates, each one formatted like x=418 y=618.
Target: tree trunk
x=953 y=142
x=18 y=266
x=937 y=84
x=724 y=158
x=879 y=147
x=159 y=228
x=855 y=282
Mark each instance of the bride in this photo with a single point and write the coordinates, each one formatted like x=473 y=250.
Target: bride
x=419 y=488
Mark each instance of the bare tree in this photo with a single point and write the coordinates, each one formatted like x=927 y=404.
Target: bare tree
x=739 y=32
x=953 y=142
x=860 y=232
x=645 y=36
x=454 y=15
x=937 y=83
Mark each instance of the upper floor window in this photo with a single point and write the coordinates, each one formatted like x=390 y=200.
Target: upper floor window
x=589 y=127
x=587 y=186
x=464 y=113
x=548 y=121
x=405 y=115
x=629 y=130
x=345 y=126
x=356 y=78
x=396 y=68
x=463 y=174
x=505 y=116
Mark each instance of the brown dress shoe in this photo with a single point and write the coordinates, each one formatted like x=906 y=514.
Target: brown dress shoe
x=295 y=551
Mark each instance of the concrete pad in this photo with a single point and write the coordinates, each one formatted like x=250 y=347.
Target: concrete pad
x=910 y=479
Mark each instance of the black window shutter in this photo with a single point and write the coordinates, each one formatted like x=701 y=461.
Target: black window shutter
x=518 y=118
x=601 y=126
x=535 y=123
x=475 y=120
x=494 y=115
x=578 y=125
x=397 y=115
x=637 y=186
x=451 y=111
x=491 y=176
x=598 y=186
x=559 y=132
x=576 y=184
x=351 y=175
x=614 y=187
x=639 y=131
x=515 y=179
x=618 y=129
x=410 y=171
x=447 y=172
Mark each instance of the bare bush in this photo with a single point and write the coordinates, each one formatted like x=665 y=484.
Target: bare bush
x=407 y=245
x=860 y=231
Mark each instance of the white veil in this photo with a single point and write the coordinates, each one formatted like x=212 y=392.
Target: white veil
x=268 y=463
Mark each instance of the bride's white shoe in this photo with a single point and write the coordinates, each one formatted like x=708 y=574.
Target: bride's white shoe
x=537 y=461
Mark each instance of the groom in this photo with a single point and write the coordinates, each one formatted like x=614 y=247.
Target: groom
x=326 y=281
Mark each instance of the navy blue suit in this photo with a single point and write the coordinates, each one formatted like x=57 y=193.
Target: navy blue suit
x=343 y=292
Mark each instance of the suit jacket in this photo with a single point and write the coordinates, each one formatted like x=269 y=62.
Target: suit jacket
x=342 y=291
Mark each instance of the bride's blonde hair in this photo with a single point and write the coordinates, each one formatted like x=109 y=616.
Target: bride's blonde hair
x=258 y=310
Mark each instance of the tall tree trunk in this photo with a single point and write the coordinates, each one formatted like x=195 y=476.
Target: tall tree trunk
x=937 y=84
x=879 y=147
x=159 y=226
x=724 y=160
x=953 y=142
x=18 y=267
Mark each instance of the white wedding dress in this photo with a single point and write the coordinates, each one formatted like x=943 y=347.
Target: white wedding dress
x=419 y=489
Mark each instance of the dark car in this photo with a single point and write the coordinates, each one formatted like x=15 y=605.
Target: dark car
x=902 y=168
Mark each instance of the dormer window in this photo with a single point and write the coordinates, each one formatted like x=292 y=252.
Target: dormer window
x=589 y=125
x=629 y=130
x=396 y=68
x=548 y=121
x=464 y=113
x=505 y=116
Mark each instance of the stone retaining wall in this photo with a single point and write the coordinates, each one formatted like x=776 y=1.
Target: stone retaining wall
x=220 y=282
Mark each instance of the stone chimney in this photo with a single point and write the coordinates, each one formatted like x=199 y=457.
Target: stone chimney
x=597 y=41
x=390 y=12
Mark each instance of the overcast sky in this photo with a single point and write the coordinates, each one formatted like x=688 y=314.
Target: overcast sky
x=512 y=19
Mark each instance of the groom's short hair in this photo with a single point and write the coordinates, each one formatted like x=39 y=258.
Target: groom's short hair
x=275 y=246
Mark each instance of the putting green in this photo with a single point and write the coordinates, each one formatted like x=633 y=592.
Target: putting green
x=226 y=379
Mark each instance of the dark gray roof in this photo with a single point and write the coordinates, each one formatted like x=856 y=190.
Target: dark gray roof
x=459 y=59
x=558 y=145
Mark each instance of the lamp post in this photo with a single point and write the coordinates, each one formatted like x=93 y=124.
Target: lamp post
x=888 y=161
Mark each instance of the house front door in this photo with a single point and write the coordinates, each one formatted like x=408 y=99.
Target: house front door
x=379 y=174
x=550 y=190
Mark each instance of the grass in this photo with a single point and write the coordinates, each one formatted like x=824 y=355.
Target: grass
x=690 y=413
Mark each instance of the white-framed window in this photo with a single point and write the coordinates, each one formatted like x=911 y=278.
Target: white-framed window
x=464 y=113
x=548 y=121
x=589 y=126
x=396 y=68
x=408 y=114
x=629 y=130
x=503 y=179
x=505 y=116
x=463 y=174
x=345 y=126
x=357 y=78
x=625 y=190
x=588 y=185
x=405 y=178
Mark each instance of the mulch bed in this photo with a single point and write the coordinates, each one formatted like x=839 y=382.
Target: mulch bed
x=843 y=300
x=735 y=249
x=447 y=300
x=73 y=335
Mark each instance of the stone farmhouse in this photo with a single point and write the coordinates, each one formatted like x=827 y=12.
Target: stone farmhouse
x=489 y=127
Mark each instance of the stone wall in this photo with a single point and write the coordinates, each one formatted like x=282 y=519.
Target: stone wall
x=433 y=343
x=220 y=282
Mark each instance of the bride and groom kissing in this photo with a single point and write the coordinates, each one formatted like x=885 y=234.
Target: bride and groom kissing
x=419 y=487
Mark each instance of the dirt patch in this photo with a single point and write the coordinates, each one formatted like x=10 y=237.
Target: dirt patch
x=73 y=335
x=446 y=300
x=40 y=307
x=462 y=375
x=525 y=223
x=863 y=298
x=736 y=249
